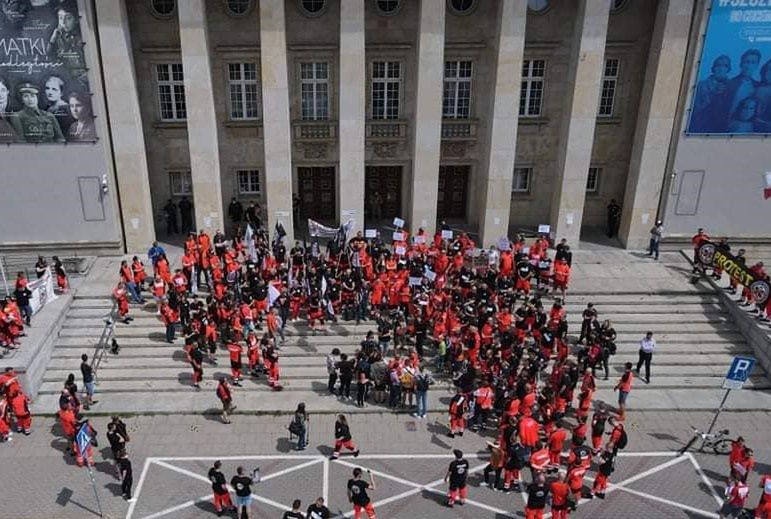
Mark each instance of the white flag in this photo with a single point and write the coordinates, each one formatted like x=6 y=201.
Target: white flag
x=273 y=294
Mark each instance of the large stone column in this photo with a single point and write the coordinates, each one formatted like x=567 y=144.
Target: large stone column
x=497 y=178
x=580 y=109
x=353 y=73
x=427 y=130
x=201 y=117
x=125 y=122
x=276 y=125
x=655 y=118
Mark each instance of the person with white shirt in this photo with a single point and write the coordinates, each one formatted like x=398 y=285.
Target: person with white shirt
x=647 y=345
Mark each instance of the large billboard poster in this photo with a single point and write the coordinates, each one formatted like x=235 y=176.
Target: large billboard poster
x=733 y=88
x=44 y=91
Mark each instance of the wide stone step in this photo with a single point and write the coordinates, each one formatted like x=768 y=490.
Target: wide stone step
x=619 y=320
x=189 y=401
x=176 y=357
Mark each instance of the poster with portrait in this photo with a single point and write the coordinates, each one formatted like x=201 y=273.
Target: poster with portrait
x=732 y=94
x=44 y=91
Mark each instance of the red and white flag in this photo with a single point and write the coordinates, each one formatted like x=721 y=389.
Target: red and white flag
x=767 y=189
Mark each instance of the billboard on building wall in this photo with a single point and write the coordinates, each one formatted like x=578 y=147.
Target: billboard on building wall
x=733 y=86
x=44 y=91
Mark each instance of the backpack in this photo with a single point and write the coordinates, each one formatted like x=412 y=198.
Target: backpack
x=295 y=427
x=623 y=440
x=421 y=383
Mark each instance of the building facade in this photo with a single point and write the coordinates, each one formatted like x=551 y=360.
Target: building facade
x=494 y=115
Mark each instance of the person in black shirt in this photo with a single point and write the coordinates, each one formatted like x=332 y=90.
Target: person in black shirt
x=220 y=489
x=318 y=511
x=343 y=438
x=243 y=486
x=537 y=495
x=456 y=473
x=117 y=445
x=88 y=381
x=614 y=217
x=22 y=295
x=126 y=474
x=295 y=513
x=345 y=368
x=357 y=494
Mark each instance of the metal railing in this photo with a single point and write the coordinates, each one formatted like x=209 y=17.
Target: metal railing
x=105 y=340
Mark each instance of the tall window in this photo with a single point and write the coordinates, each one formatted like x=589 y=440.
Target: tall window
x=457 y=90
x=531 y=95
x=248 y=181
x=521 y=181
x=171 y=92
x=608 y=92
x=242 y=82
x=314 y=87
x=386 y=83
x=593 y=180
x=181 y=183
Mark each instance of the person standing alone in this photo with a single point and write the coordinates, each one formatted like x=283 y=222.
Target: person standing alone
x=647 y=345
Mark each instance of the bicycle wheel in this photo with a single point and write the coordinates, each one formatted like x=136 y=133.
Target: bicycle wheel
x=722 y=447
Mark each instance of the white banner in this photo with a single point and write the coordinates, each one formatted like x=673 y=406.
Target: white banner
x=318 y=230
x=42 y=291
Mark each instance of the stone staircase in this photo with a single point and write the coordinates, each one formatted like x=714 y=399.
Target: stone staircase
x=696 y=342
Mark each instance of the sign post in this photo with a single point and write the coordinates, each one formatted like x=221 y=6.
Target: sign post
x=83 y=439
x=738 y=373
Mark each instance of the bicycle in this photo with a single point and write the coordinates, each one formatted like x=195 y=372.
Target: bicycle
x=719 y=442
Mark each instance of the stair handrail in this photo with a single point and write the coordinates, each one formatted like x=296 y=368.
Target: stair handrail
x=104 y=340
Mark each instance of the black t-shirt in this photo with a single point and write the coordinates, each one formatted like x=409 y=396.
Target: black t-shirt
x=88 y=374
x=318 y=512
x=242 y=485
x=536 y=496
x=218 y=481
x=293 y=515
x=358 y=489
x=458 y=473
x=346 y=368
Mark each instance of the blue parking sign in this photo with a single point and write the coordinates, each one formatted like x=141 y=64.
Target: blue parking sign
x=739 y=372
x=83 y=439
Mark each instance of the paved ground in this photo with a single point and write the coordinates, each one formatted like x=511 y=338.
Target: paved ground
x=171 y=455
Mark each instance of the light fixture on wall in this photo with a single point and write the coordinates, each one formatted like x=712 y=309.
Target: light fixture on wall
x=105 y=187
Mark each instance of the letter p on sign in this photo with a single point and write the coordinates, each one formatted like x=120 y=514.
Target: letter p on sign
x=739 y=372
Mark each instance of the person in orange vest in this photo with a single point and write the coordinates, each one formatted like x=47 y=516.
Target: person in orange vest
x=623 y=387
x=159 y=292
x=138 y=268
x=5 y=421
x=68 y=423
x=458 y=409
x=539 y=459
x=559 y=497
x=579 y=461
x=225 y=395
x=195 y=356
x=561 y=276
x=556 y=441
x=179 y=281
x=529 y=431
x=170 y=317
x=120 y=296
x=211 y=336
x=270 y=358
x=599 y=419
x=483 y=405
x=273 y=321
x=188 y=269
x=618 y=436
x=20 y=407
x=235 y=351
x=127 y=277
x=253 y=353
x=605 y=469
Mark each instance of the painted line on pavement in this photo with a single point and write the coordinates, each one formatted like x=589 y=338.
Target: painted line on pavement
x=142 y=476
x=668 y=502
x=706 y=481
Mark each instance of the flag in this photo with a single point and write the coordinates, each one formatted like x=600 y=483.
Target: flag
x=273 y=294
x=767 y=189
x=280 y=233
x=342 y=233
x=249 y=239
x=317 y=230
x=323 y=285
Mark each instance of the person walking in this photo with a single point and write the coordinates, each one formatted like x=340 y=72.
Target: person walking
x=126 y=475
x=457 y=473
x=647 y=345
x=357 y=494
x=225 y=394
x=623 y=387
x=299 y=426
x=657 y=231
x=243 y=487
x=88 y=381
x=343 y=438
x=219 y=489
x=332 y=359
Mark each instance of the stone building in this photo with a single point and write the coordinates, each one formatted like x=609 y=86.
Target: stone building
x=494 y=115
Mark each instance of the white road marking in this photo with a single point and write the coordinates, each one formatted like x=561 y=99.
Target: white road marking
x=133 y=504
x=706 y=481
x=668 y=502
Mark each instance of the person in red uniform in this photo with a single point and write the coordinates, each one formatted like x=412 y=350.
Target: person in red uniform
x=560 y=490
x=605 y=469
x=736 y=495
x=357 y=494
x=68 y=423
x=225 y=395
x=235 y=350
x=483 y=400
x=529 y=431
x=764 y=506
x=697 y=239
x=624 y=386
x=556 y=441
x=120 y=296
x=20 y=407
x=599 y=419
x=5 y=421
x=561 y=276
x=343 y=438
x=458 y=409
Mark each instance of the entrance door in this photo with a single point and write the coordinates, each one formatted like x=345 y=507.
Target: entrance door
x=317 y=193
x=453 y=184
x=383 y=199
